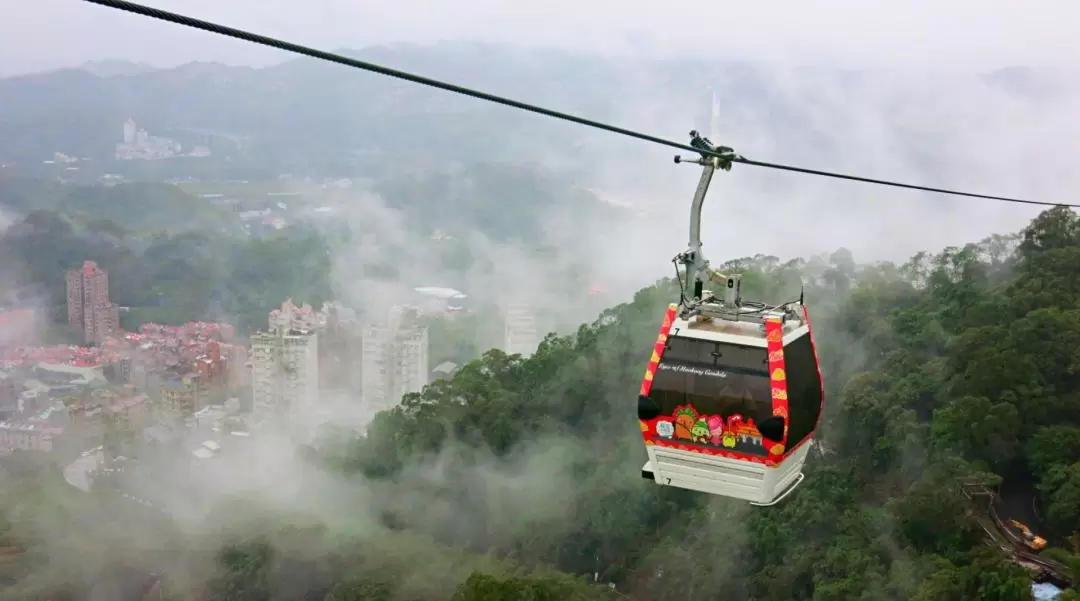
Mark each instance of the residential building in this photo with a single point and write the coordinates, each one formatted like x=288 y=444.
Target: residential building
x=211 y=366
x=284 y=370
x=520 y=333
x=236 y=362
x=376 y=351
x=394 y=359
x=292 y=317
x=182 y=396
x=27 y=436
x=130 y=129
x=333 y=320
x=105 y=322
x=411 y=371
x=89 y=308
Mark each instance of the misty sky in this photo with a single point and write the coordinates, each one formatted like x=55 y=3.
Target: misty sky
x=957 y=34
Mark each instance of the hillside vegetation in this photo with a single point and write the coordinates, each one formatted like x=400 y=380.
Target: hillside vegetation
x=173 y=257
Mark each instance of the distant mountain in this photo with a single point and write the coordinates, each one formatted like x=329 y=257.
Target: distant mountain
x=306 y=113
x=309 y=116
x=115 y=67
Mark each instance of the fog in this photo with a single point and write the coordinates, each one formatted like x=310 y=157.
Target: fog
x=964 y=34
x=923 y=114
x=953 y=131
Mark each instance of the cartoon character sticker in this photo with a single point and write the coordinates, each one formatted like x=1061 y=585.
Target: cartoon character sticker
x=665 y=428
x=716 y=429
x=733 y=433
x=700 y=431
x=685 y=418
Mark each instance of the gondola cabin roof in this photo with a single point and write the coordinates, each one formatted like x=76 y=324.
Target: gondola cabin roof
x=747 y=327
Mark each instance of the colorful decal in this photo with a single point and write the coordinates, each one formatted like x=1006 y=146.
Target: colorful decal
x=700 y=432
x=716 y=431
x=686 y=429
x=665 y=428
x=774 y=338
x=685 y=418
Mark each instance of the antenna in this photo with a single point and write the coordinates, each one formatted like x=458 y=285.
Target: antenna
x=714 y=116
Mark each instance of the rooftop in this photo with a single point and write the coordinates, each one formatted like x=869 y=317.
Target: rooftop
x=440 y=292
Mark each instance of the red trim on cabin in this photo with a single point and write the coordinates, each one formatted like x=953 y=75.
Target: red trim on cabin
x=658 y=349
x=774 y=345
x=817 y=364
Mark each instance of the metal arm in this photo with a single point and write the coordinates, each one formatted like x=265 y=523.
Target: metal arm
x=694 y=263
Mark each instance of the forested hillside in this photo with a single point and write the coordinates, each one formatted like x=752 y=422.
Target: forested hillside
x=953 y=364
x=174 y=257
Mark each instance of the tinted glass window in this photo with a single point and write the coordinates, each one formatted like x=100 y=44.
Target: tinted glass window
x=804 y=389
x=717 y=379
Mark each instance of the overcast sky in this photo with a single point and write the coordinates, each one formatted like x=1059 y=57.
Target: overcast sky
x=951 y=34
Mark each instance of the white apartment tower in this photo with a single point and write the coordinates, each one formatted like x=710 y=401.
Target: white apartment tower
x=520 y=334
x=294 y=317
x=376 y=342
x=411 y=363
x=285 y=371
x=394 y=360
x=129 y=131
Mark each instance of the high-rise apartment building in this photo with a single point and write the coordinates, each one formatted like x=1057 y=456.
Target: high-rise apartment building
x=410 y=365
x=89 y=308
x=376 y=352
x=236 y=362
x=394 y=359
x=130 y=129
x=292 y=317
x=284 y=371
x=520 y=334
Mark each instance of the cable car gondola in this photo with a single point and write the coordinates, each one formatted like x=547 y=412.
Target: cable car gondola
x=733 y=392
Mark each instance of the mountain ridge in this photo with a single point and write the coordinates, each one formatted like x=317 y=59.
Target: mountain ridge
x=305 y=114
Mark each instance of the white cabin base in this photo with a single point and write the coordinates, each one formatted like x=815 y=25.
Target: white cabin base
x=760 y=484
